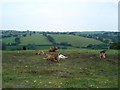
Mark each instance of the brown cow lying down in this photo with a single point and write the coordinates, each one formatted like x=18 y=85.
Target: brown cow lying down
x=39 y=52
x=54 y=57
x=102 y=54
x=53 y=49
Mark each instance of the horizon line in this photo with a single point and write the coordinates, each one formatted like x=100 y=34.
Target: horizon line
x=63 y=31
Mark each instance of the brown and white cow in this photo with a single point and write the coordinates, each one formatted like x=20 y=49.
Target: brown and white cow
x=55 y=57
x=39 y=52
x=53 y=49
x=52 y=57
x=102 y=54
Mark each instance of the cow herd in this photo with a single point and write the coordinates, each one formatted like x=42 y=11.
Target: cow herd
x=56 y=57
x=52 y=56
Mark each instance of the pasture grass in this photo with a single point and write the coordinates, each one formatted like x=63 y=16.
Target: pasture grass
x=37 y=39
x=8 y=40
x=77 y=41
x=82 y=69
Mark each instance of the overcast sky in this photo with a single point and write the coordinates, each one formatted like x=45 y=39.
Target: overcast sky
x=59 y=15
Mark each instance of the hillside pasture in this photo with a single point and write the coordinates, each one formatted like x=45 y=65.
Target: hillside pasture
x=37 y=39
x=82 y=69
x=76 y=41
x=8 y=40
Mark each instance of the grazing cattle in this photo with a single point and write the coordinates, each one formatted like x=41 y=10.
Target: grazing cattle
x=53 y=49
x=102 y=54
x=39 y=52
x=54 y=57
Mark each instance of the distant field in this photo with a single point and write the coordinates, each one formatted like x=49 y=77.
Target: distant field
x=36 y=39
x=82 y=69
x=42 y=42
x=77 y=41
x=9 y=40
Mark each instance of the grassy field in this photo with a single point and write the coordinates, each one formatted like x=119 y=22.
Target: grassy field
x=39 y=39
x=82 y=69
x=9 y=40
x=77 y=41
x=36 y=39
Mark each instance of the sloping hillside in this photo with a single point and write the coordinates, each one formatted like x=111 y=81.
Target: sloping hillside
x=37 y=39
x=77 y=41
x=8 y=40
x=40 y=41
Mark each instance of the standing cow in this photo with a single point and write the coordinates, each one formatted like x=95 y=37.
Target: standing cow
x=102 y=54
x=53 y=49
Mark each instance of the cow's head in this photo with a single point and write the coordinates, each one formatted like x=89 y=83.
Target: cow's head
x=62 y=56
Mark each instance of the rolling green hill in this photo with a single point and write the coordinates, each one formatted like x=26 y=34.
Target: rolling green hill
x=37 y=39
x=76 y=41
x=8 y=40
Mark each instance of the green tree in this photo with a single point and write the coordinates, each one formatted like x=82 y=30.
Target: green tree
x=65 y=44
x=3 y=46
x=31 y=46
x=51 y=39
x=115 y=45
x=17 y=40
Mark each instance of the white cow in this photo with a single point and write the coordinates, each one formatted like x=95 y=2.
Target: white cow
x=54 y=57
